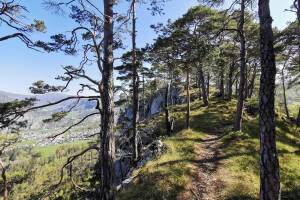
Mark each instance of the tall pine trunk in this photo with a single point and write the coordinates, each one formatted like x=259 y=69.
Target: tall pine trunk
x=135 y=82
x=269 y=165
x=284 y=91
x=188 y=108
x=144 y=98
x=236 y=87
x=240 y=104
x=252 y=82
x=203 y=87
x=107 y=119
x=221 y=84
x=199 y=86
x=298 y=118
x=167 y=111
x=247 y=75
x=230 y=80
x=171 y=77
x=207 y=85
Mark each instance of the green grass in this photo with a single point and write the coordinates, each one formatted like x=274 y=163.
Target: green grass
x=46 y=151
x=240 y=160
x=36 y=170
x=170 y=175
x=294 y=109
x=167 y=176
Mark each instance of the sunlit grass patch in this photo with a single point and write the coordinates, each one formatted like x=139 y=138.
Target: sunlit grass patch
x=241 y=161
x=169 y=175
x=46 y=151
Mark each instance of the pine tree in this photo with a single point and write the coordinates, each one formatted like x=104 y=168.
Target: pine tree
x=269 y=164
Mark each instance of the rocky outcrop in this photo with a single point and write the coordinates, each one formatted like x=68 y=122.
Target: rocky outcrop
x=156 y=103
x=148 y=153
x=149 y=143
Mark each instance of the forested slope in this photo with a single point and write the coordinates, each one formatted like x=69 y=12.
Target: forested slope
x=171 y=175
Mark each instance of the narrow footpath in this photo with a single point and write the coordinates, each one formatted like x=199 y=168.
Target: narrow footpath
x=207 y=182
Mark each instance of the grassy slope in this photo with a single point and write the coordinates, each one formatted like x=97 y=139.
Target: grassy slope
x=41 y=170
x=169 y=175
x=241 y=160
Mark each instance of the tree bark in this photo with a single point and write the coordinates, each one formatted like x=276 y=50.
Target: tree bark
x=144 y=98
x=221 y=86
x=230 y=81
x=252 y=82
x=269 y=165
x=236 y=87
x=246 y=89
x=167 y=113
x=107 y=118
x=199 y=86
x=240 y=104
x=284 y=91
x=171 y=77
x=207 y=85
x=298 y=118
x=188 y=99
x=135 y=82
x=202 y=83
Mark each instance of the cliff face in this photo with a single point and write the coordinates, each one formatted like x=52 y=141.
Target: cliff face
x=149 y=141
x=153 y=105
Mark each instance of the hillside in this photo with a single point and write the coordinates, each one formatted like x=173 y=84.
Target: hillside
x=209 y=161
x=37 y=131
x=8 y=96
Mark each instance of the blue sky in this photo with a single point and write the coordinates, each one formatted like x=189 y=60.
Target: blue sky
x=21 y=66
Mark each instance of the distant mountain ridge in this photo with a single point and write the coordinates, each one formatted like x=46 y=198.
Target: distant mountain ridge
x=8 y=96
x=35 y=118
x=42 y=98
